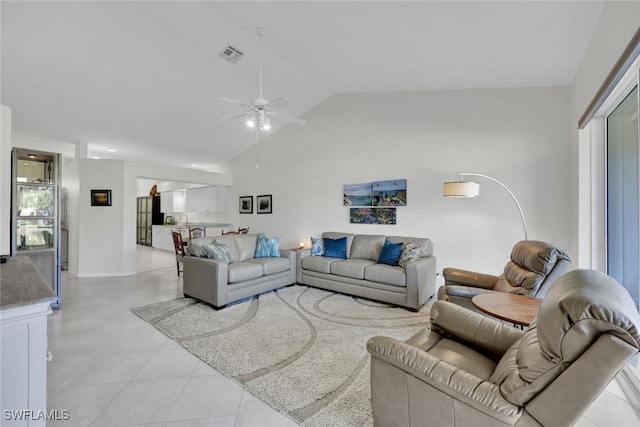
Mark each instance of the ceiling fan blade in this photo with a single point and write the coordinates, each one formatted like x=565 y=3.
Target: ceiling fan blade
x=278 y=102
x=235 y=101
x=235 y=116
x=292 y=119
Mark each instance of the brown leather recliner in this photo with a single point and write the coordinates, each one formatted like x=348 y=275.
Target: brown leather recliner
x=471 y=370
x=534 y=266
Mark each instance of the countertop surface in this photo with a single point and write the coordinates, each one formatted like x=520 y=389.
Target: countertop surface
x=22 y=284
x=198 y=224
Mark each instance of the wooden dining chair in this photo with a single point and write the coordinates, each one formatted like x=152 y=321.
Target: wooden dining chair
x=178 y=245
x=196 y=232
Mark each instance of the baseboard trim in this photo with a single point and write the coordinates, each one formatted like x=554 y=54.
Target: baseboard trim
x=630 y=384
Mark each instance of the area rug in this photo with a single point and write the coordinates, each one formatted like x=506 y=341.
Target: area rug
x=301 y=350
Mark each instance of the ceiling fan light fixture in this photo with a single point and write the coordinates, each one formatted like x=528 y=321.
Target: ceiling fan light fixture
x=251 y=122
x=266 y=125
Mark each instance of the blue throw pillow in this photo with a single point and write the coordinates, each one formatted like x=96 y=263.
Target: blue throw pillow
x=266 y=247
x=390 y=253
x=335 y=248
x=317 y=248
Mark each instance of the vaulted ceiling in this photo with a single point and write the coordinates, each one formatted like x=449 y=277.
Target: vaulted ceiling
x=143 y=78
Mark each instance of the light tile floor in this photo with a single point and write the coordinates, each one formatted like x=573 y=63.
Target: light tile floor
x=110 y=368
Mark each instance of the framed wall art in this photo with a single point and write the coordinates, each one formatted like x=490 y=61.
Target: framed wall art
x=377 y=193
x=372 y=216
x=264 y=204
x=246 y=205
x=100 y=197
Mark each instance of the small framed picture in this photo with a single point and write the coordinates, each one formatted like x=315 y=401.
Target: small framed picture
x=246 y=205
x=100 y=197
x=264 y=204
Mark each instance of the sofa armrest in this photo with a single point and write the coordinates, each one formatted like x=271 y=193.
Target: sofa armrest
x=205 y=279
x=300 y=254
x=291 y=256
x=456 y=276
x=445 y=377
x=421 y=281
x=475 y=329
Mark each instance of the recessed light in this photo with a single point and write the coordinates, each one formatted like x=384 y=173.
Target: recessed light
x=95 y=157
x=32 y=156
x=111 y=150
x=193 y=165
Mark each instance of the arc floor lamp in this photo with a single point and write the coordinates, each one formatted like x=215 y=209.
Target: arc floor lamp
x=462 y=188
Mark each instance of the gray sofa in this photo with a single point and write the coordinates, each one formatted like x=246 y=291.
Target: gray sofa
x=361 y=275
x=218 y=283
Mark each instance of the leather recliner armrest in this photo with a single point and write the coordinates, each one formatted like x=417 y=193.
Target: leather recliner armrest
x=465 y=291
x=456 y=276
x=476 y=329
x=447 y=378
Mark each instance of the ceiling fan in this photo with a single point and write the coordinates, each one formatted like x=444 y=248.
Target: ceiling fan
x=260 y=109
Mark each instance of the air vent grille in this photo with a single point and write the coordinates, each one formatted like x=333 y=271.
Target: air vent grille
x=231 y=54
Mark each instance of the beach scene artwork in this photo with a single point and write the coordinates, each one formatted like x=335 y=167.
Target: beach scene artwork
x=358 y=195
x=372 y=216
x=390 y=193
x=378 y=193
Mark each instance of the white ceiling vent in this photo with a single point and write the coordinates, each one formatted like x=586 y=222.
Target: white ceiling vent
x=231 y=54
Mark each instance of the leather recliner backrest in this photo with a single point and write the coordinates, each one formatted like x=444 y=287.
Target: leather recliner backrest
x=579 y=308
x=533 y=266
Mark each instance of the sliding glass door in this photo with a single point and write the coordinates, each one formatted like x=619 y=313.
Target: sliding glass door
x=623 y=195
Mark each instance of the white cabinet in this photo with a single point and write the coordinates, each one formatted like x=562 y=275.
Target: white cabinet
x=23 y=331
x=162 y=238
x=207 y=199
x=172 y=201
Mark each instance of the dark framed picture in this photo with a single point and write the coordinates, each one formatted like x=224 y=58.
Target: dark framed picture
x=100 y=197
x=264 y=204
x=246 y=205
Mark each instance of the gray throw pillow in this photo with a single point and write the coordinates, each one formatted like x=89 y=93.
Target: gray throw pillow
x=410 y=252
x=218 y=251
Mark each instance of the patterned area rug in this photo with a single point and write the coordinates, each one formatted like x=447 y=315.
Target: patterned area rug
x=301 y=350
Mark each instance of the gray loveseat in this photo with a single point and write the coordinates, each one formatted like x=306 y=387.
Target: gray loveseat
x=218 y=283
x=361 y=274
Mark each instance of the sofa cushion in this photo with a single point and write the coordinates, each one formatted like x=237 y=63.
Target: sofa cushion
x=383 y=273
x=337 y=235
x=353 y=268
x=243 y=271
x=335 y=248
x=319 y=264
x=366 y=246
x=246 y=244
x=266 y=247
x=272 y=265
x=390 y=253
x=317 y=248
x=218 y=251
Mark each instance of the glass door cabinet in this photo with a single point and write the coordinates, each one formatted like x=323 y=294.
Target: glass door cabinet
x=35 y=230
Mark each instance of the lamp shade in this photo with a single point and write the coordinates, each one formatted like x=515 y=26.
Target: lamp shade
x=461 y=189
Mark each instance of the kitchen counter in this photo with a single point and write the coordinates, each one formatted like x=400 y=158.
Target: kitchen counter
x=21 y=284
x=200 y=224
x=162 y=239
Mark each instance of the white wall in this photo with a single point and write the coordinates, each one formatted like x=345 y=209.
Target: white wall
x=519 y=136
x=102 y=240
x=616 y=28
x=5 y=180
